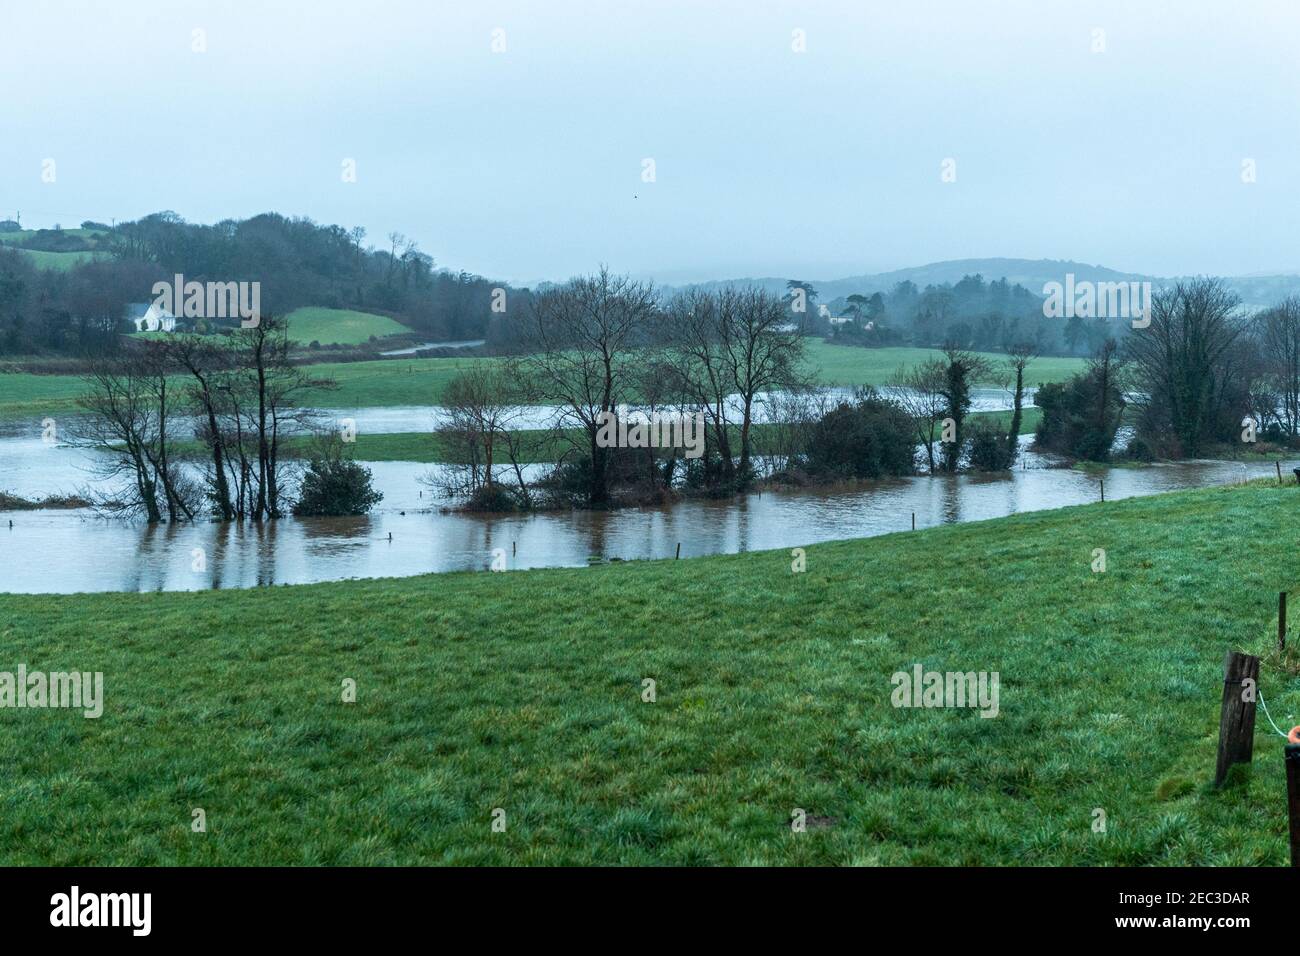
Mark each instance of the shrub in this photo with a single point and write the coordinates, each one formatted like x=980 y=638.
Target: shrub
x=1082 y=415
x=1139 y=450
x=497 y=498
x=990 y=449
x=868 y=438
x=336 y=486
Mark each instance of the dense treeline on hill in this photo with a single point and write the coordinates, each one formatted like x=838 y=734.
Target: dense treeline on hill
x=297 y=261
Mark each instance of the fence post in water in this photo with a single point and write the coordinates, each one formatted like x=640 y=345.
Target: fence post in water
x=1279 y=471
x=1281 y=621
x=679 y=551
x=514 y=548
x=1291 y=753
x=1237 y=716
x=913 y=520
x=1103 y=489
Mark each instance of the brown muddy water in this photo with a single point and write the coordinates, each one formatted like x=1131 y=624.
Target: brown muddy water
x=74 y=551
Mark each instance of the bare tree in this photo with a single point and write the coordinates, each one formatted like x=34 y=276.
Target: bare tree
x=128 y=401
x=730 y=348
x=476 y=439
x=920 y=390
x=701 y=369
x=265 y=403
x=1185 y=368
x=207 y=367
x=582 y=339
x=763 y=354
x=1278 y=332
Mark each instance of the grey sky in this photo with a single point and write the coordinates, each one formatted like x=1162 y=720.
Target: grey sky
x=527 y=164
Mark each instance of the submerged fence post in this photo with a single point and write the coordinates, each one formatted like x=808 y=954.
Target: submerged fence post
x=1103 y=489
x=913 y=520
x=1279 y=471
x=1237 y=716
x=1291 y=754
x=679 y=551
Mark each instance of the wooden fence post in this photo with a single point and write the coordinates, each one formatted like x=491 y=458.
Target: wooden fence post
x=1103 y=489
x=1279 y=471
x=1281 y=621
x=1237 y=716
x=679 y=551
x=913 y=520
x=1292 y=755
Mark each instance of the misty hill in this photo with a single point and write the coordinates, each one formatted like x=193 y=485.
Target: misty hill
x=1256 y=291
x=1030 y=273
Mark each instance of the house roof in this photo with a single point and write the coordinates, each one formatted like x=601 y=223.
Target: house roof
x=138 y=310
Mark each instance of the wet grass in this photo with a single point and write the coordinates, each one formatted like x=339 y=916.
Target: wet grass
x=523 y=691
x=849 y=365
x=340 y=326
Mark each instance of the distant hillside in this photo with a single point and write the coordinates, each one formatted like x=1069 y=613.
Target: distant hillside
x=58 y=249
x=340 y=326
x=1256 y=291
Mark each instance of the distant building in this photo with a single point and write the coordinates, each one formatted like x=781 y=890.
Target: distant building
x=8 y=225
x=148 y=317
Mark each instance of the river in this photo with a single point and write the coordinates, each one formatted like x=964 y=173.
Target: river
x=74 y=551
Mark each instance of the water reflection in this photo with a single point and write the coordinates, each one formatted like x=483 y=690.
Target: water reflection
x=70 y=551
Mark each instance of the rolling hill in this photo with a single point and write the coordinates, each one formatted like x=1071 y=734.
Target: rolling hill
x=339 y=326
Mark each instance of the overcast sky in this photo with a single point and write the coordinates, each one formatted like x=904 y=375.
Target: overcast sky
x=528 y=163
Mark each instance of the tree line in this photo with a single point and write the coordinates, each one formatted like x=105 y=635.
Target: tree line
x=241 y=402
x=81 y=310
x=1203 y=377
x=731 y=359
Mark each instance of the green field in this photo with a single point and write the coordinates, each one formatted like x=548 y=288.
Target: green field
x=22 y=235
x=340 y=326
x=52 y=260
x=421 y=381
x=847 y=365
x=523 y=691
x=58 y=260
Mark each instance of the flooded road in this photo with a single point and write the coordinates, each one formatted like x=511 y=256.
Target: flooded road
x=73 y=551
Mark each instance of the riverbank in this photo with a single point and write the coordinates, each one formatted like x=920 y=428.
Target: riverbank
x=10 y=502
x=523 y=691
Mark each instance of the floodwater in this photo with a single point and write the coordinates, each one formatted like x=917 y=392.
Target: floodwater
x=390 y=419
x=73 y=551
x=462 y=344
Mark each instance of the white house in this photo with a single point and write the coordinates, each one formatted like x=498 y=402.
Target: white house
x=148 y=317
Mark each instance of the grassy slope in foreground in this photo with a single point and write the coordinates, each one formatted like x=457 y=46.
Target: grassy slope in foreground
x=422 y=381
x=522 y=691
x=340 y=326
